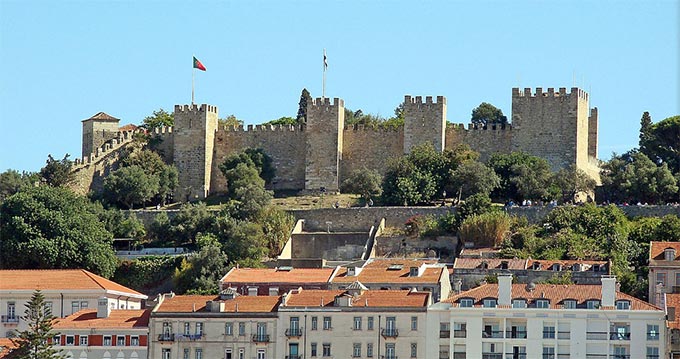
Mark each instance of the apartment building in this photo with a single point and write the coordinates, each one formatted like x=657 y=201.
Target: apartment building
x=66 y=291
x=103 y=333
x=395 y=273
x=276 y=281
x=353 y=323
x=228 y=326
x=664 y=270
x=520 y=321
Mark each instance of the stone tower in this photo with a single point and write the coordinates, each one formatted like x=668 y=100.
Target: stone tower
x=424 y=122
x=194 y=139
x=97 y=130
x=325 y=124
x=554 y=125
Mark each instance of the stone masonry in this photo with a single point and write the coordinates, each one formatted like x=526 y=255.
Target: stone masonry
x=556 y=125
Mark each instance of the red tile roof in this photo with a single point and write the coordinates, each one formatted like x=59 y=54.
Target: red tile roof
x=128 y=127
x=673 y=301
x=102 y=116
x=272 y=275
x=59 y=279
x=656 y=249
x=369 y=298
x=556 y=293
x=6 y=345
x=196 y=303
x=118 y=319
x=378 y=271
x=492 y=263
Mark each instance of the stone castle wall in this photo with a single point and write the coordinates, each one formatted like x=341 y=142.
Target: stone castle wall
x=424 y=122
x=325 y=124
x=486 y=141
x=370 y=148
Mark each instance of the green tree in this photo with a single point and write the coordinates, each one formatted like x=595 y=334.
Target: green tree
x=633 y=177
x=252 y=157
x=168 y=179
x=522 y=176
x=572 y=181
x=57 y=173
x=53 y=228
x=34 y=342
x=485 y=230
x=305 y=100
x=159 y=118
x=473 y=177
x=120 y=224
x=246 y=192
x=243 y=242
x=203 y=272
x=277 y=225
x=130 y=186
x=192 y=219
x=487 y=114
x=363 y=182
x=661 y=142
x=282 y=121
x=646 y=136
x=230 y=121
x=12 y=181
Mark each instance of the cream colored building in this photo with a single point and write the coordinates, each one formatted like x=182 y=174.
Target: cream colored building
x=66 y=291
x=353 y=323
x=520 y=321
x=228 y=326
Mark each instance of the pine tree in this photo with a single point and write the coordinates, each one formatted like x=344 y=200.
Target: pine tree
x=33 y=343
x=305 y=99
x=646 y=135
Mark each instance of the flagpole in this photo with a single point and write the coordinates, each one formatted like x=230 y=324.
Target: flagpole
x=193 y=71
x=323 y=83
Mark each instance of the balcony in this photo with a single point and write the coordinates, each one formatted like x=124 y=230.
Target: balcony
x=294 y=332
x=10 y=320
x=445 y=334
x=516 y=334
x=620 y=356
x=390 y=333
x=492 y=355
x=260 y=338
x=191 y=337
x=515 y=355
x=460 y=333
x=492 y=334
x=619 y=335
x=166 y=337
x=392 y=356
x=293 y=357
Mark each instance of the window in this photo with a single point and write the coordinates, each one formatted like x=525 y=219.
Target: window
x=369 y=350
x=187 y=328
x=519 y=303
x=548 y=352
x=489 y=303
x=56 y=340
x=414 y=350
x=593 y=304
x=652 y=332
x=107 y=341
x=661 y=278
x=199 y=328
x=327 y=323
x=652 y=353
x=357 y=323
x=83 y=340
x=326 y=350
x=75 y=306
x=241 y=353
x=414 y=323
x=313 y=351
x=48 y=308
x=83 y=304
x=134 y=340
x=166 y=353
x=199 y=353
x=315 y=323
x=70 y=340
x=548 y=332
x=369 y=323
x=261 y=354
x=669 y=254
x=11 y=310
x=120 y=340
x=542 y=303
x=241 y=329
x=677 y=278
x=569 y=304
x=466 y=302
x=229 y=329
x=622 y=305
x=227 y=354
x=356 y=350
x=187 y=354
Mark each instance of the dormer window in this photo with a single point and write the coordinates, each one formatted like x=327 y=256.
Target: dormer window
x=542 y=303
x=556 y=267
x=669 y=254
x=569 y=304
x=596 y=267
x=537 y=266
x=576 y=267
x=504 y=264
x=489 y=303
x=623 y=304
x=519 y=303
x=413 y=272
x=466 y=303
x=593 y=304
x=484 y=265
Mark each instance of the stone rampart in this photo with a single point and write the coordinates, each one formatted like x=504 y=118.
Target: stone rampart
x=485 y=140
x=424 y=122
x=163 y=140
x=369 y=147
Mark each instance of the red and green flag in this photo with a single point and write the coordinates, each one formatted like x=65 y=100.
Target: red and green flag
x=198 y=64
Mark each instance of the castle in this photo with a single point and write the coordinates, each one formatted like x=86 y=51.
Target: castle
x=556 y=125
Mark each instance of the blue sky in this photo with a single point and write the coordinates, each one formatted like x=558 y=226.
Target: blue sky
x=63 y=61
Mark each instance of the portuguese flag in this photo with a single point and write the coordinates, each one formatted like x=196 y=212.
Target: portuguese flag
x=198 y=64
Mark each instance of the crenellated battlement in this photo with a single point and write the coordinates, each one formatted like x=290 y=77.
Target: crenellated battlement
x=122 y=138
x=262 y=128
x=474 y=127
x=364 y=128
x=194 y=108
x=408 y=99
x=162 y=130
x=326 y=102
x=561 y=92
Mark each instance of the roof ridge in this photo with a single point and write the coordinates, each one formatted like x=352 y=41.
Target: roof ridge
x=90 y=274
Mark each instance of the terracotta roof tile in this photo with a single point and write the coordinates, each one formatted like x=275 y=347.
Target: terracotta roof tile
x=59 y=279
x=656 y=249
x=493 y=263
x=6 y=345
x=102 y=116
x=118 y=319
x=246 y=304
x=673 y=301
x=272 y=275
x=128 y=127
x=369 y=298
x=378 y=271
x=554 y=292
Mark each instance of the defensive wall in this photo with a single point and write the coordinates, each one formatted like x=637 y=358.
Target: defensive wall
x=319 y=154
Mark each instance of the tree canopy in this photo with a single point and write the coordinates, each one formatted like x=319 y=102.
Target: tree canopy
x=305 y=100
x=632 y=177
x=487 y=114
x=661 y=141
x=57 y=173
x=363 y=182
x=34 y=342
x=159 y=118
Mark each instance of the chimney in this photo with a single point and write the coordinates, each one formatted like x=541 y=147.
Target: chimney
x=504 y=289
x=103 y=309
x=458 y=286
x=608 y=290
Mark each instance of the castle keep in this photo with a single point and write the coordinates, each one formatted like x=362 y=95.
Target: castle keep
x=556 y=125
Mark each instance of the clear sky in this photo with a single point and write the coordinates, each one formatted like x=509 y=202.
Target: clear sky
x=63 y=61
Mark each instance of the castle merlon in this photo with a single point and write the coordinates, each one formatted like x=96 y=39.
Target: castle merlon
x=474 y=127
x=428 y=99
x=162 y=130
x=562 y=92
x=196 y=108
x=262 y=128
x=363 y=128
x=326 y=101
